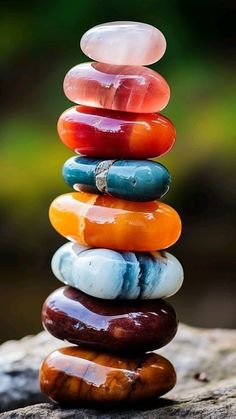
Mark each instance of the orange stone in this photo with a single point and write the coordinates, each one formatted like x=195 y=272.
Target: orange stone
x=75 y=377
x=105 y=221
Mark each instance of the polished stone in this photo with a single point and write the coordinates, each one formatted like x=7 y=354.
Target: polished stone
x=135 y=180
x=109 y=274
x=131 y=43
x=120 y=88
x=74 y=376
x=110 y=134
x=110 y=325
x=104 y=221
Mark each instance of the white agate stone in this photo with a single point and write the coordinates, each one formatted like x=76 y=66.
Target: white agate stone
x=110 y=274
x=124 y=43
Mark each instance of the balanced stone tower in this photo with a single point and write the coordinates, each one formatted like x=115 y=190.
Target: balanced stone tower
x=114 y=268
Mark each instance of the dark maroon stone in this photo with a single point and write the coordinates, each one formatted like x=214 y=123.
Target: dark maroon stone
x=120 y=326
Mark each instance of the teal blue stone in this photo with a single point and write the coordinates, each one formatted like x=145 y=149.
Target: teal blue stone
x=80 y=171
x=134 y=180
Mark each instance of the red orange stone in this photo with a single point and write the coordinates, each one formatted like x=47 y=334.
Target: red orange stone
x=120 y=88
x=110 y=134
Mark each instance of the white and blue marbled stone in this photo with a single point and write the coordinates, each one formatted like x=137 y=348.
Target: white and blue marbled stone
x=109 y=274
x=135 y=180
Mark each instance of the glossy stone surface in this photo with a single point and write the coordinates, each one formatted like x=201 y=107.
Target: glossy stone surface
x=108 y=274
x=120 y=88
x=110 y=325
x=104 y=221
x=129 y=43
x=110 y=134
x=74 y=376
x=135 y=180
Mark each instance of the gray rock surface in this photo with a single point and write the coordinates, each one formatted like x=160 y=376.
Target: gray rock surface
x=205 y=360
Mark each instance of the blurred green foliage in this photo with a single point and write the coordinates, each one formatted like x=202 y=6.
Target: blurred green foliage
x=39 y=42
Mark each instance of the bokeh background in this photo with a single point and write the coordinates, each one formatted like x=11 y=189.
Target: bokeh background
x=39 y=42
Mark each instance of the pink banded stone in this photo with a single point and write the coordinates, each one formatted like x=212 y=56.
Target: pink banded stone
x=115 y=87
x=124 y=43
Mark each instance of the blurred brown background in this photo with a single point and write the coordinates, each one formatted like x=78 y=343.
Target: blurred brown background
x=39 y=42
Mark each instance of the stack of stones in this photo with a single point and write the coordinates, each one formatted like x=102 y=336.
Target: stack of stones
x=114 y=266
